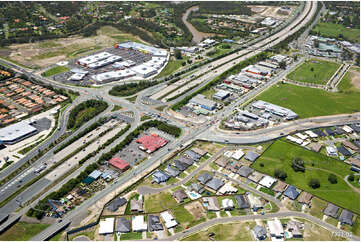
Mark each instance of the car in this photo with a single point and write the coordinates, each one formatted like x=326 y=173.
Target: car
x=281 y=133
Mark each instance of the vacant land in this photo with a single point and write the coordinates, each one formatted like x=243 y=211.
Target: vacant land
x=281 y=154
x=159 y=202
x=350 y=82
x=231 y=231
x=335 y=30
x=22 y=231
x=311 y=102
x=314 y=232
x=314 y=71
x=55 y=70
x=48 y=52
x=171 y=67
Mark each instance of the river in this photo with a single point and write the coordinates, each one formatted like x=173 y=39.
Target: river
x=197 y=36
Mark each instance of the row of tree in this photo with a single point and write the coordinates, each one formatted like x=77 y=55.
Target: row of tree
x=131 y=88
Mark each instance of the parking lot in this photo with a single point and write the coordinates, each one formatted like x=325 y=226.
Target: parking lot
x=126 y=54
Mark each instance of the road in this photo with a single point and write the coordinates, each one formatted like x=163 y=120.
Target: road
x=216 y=221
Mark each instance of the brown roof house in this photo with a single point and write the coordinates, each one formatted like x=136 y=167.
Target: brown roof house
x=305 y=198
x=315 y=147
x=180 y=195
x=280 y=186
x=136 y=205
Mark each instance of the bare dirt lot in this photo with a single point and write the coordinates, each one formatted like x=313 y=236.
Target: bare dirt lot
x=196 y=209
x=270 y=11
x=355 y=78
x=48 y=52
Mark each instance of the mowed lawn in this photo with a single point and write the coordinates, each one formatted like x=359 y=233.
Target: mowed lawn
x=22 y=231
x=334 y=30
x=55 y=70
x=314 y=71
x=171 y=67
x=311 y=102
x=281 y=154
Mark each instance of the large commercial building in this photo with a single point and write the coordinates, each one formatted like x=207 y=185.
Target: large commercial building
x=203 y=102
x=93 y=58
x=151 y=143
x=114 y=75
x=16 y=132
x=275 y=109
x=143 y=48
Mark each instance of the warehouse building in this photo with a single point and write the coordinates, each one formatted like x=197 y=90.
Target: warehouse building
x=203 y=102
x=143 y=48
x=275 y=109
x=119 y=163
x=221 y=95
x=16 y=132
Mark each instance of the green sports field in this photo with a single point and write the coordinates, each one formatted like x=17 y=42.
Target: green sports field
x=332 y=30
x=314 y=71
x=281 y=154
x=312 y=102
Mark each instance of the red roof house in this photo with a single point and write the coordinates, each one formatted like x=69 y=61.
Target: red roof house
x=119 y=163
x=151 y=143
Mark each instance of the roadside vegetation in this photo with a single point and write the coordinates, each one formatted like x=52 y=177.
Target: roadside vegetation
x=55 y=70
x=22 y=231
x=312 y=168
x=84 y=112
x=130 y=88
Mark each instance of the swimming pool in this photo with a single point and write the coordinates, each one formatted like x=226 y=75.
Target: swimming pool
x=287 y=235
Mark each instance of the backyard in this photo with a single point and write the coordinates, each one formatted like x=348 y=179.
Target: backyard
x=311 y=102
x=314 y=71
x=317 y=166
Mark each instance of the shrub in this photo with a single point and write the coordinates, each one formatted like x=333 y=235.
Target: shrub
x=261 y=165
x=332 y=178
x=280 y=174
x=351 y=178
x=314 y=183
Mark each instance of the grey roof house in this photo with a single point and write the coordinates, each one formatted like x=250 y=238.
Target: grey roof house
x=173 y=172
x=251 y=156
x=241 y=201
x=154 y=223
x=291 y=192
x=215 y=184
x=244 y=171
x=204 y=178
x=193 y=155
x=180 y=195
x=260 y=232
x=160 y=176
x=346 y=217
x=331 y=210
x=186 y=160
x=180 y=165
x=122 y=225
x=195 y=187
x=199 y=151
x=116 y=203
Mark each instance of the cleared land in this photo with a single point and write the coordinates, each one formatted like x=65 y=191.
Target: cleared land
x=159 y=202
x=335 y=30
x=281 y=154
x=171 y=67
x=350 y=82
x=314 y=71
x=231 y=231
x=22 y=231
x=55 y=70
x=312 y=102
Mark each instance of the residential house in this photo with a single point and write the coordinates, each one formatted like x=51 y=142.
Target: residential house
x=267 y=181
x=251 y=156
x=350 y=145
x=215 y=184
x=227 y=189
x=315 y=147
x=199 y=151
x=192 y=155
x=138 y=224
x=180 y=195
x=255 y=176
x=169 y=220
x=280 y=186
x=136 y=205
x=195 y=187
x=116 y=203
x=346 y=217
x=222 y=162
x=241 y=201
x=305 y=198
x=186 y=160
x=295 y=228
x=275 y=228
x=344 y=151
x=331 y=210
x=180 y=166
x=291 y=192
x=260 y=232
x=160 y=176
x=204 y=178
x=244 y=171
x=227 y=204
x=154 y=223
x=173 y=172
x=122 y=225
x=211 y=203
x=255 y=202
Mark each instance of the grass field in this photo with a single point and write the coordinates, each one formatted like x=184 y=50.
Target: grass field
x=131 y=236
x=159 y=202
x=280 y=155
x=22 y=231
x=182 y=215
x=314 y=71
x=311 y=102
x=346 y=84
x=231 y=231
x=55 y=70
x=334 y=30
x=170 y=68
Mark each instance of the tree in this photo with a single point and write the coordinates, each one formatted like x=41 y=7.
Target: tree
x=332 y=178
x=351 y=178
x=280 y=174
x=283 y=65
x=312 y=69
x=178 y=54
x=298 y=165
x=314 y=183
